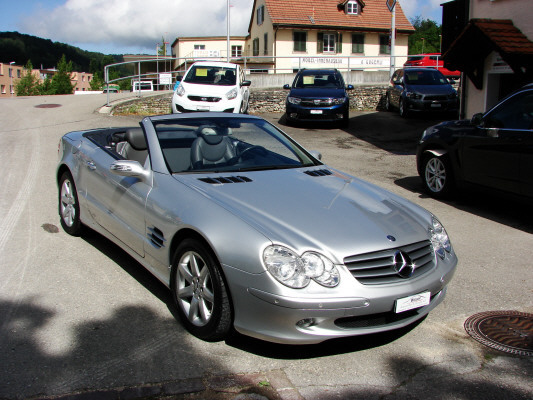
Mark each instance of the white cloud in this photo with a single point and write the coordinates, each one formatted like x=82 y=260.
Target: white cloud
x=137 y=23
x=427 y=9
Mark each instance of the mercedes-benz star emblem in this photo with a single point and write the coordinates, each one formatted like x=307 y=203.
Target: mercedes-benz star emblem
x=403 y=265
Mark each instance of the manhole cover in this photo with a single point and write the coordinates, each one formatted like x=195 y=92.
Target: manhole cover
x=508 y=331
x=47 y=105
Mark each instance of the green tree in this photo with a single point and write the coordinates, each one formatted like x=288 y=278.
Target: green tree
x=427 y=36
x=61 y=83
x=28 y=84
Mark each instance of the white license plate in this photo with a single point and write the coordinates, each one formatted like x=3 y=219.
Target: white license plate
x=202 y=108
x=412 y=302
x=436 y=105
x=316 y=111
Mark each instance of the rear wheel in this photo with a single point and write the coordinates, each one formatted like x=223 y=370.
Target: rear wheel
x=437 y=176
x=388 y=105
x=199 y=292
x=69 y=207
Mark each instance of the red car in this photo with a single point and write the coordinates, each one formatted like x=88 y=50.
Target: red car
x=430 y=60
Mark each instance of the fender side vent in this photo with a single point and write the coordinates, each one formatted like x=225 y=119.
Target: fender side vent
x=225 y=179
x=319 y=172
x=156 y=237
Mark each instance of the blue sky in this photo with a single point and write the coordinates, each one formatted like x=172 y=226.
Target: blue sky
x=127 y=26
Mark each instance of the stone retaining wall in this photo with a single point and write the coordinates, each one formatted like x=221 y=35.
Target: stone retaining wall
x=362 y=98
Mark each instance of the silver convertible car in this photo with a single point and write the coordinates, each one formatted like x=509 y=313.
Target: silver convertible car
x=251 y=232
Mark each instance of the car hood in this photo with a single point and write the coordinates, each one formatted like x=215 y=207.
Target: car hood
x=430 y=89
x=318 y=93
x=337 y=214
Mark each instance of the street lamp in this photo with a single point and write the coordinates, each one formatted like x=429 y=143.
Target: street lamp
x=11 y=77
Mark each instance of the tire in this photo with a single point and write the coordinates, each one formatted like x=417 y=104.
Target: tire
x=403 y=111
x=437 y=176
x=69 y=206
x=345 y=122
x=388 y=105
x=199 y=292
x=244 y=107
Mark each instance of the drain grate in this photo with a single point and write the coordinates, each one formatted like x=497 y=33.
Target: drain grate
x=508 y=331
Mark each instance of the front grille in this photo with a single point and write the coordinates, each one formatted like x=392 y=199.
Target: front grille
x=436 y=97
x=317 y=102
x=378 y=267
x=208 y=99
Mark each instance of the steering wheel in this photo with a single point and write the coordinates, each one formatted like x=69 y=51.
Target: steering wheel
x=255 y=147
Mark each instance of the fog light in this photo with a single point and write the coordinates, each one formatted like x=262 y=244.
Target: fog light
x=340 y=116
x=306 y=323
x=294 y=115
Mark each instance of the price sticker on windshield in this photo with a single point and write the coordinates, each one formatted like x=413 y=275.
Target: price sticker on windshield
x=412 y=302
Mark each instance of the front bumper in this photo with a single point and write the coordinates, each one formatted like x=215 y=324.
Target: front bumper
x=431 y=105
x=353 y=310
x=303 y=113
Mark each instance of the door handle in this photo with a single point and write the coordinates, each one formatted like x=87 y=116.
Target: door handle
x=91 y=165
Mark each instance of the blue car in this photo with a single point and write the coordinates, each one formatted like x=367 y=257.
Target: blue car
x=318 y=94
x=419 y=90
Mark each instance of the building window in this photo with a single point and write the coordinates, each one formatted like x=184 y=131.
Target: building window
x=11 y=72
x=260 y=15
x=3 y=88
x=18 y=73
x=352 y=7
x=358 y=43
x=255 y=44
x=329 y=43
x=236 y=51
x=265 y=45
x=199 y=47
x=384 y=47
x=300 y=41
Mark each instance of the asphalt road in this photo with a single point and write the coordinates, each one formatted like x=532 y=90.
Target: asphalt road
x=79 y=315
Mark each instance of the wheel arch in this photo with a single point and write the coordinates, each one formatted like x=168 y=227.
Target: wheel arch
x=60 y=171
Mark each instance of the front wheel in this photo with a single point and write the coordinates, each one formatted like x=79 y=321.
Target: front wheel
x=199 y=292
x=437 y=176
x=69 y=207
x=403 y=109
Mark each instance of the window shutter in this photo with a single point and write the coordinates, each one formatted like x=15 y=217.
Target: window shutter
x=320 y=43
x=339 y=43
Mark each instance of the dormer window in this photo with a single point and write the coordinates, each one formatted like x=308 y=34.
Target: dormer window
x=352 y=7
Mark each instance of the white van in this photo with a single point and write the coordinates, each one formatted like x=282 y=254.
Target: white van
x=144 y=86
x=212 y=86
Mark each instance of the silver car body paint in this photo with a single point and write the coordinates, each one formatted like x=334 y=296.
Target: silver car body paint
x=336 y=215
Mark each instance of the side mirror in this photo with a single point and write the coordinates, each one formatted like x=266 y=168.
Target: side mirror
x=316 y=154
x=477 y=119
x=246 y=83
x=179 y=78
x=128 y=168
x=286 y=86
x=349 y=87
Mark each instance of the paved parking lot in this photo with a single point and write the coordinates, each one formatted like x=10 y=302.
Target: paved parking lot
x=78 y=316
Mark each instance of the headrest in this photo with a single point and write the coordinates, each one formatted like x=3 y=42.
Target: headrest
x=135 y=137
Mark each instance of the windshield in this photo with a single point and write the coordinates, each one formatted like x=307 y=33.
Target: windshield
x=322 y=79
x=227 y=144
x=211 y=75
x=427 y=77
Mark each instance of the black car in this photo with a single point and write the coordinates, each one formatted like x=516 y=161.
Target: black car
x=494 y=149
x=318 y=94
x=421 y=90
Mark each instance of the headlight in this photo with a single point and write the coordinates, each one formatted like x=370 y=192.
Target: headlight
x=180 y=91
x=232 y=94
x=294 y=100
x=340 y=100
x=295 y=271
x=439 y=238
x=413 y=95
